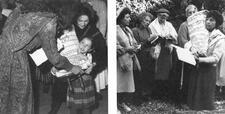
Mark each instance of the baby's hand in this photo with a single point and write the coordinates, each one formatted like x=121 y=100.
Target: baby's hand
x=89 y=69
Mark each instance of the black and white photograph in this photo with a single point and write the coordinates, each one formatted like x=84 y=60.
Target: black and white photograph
x=53 y=57
x=112 y=57
x=170 y=56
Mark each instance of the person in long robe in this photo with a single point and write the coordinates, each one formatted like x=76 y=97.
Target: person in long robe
x=183 y=38
x=27 y=29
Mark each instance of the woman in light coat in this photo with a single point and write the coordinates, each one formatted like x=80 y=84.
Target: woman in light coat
x=126 y=48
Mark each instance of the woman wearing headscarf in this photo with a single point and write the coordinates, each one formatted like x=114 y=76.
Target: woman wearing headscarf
x=27 y=29
x=202 y=83
x=126 y=58
x=143 y=35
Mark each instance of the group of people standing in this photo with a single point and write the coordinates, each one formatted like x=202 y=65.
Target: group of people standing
x=37 y=24
x=146 y=59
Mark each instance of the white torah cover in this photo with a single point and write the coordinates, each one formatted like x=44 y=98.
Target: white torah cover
x=198 y=34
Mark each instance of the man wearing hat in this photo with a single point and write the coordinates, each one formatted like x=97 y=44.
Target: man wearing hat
x=161 y=27
x=164 y=29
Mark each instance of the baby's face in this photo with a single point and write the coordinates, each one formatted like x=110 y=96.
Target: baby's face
x=85 y=45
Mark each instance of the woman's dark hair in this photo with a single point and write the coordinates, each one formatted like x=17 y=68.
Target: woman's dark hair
x=122 y=15
x=86 y=9
x=217 y=16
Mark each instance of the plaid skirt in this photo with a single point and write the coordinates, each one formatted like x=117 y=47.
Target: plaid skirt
x=81 y=92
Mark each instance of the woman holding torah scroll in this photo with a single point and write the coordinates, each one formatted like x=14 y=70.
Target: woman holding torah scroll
x=202 y=81
x=27 y=29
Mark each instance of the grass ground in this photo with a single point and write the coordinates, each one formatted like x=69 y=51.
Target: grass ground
x=164 y=105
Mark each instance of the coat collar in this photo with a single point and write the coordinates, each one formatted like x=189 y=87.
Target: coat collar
x=215 y=36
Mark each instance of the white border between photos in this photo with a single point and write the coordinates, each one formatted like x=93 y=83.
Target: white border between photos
x=112 y=83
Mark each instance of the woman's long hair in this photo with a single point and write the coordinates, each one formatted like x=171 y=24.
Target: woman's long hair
x=86 y=9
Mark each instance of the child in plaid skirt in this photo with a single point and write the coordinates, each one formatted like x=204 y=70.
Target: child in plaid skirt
x=81 y=89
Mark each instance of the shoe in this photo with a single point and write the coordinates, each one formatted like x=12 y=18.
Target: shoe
x=125 y=107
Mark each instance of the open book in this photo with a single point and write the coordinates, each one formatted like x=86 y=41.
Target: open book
x=185 y=55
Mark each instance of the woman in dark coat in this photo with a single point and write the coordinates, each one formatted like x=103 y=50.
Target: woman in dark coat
x=84 y=26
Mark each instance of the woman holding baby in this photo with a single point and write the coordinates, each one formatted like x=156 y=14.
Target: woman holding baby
x=85 y=30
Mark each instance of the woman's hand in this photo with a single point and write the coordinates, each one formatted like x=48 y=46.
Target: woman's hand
x=196 y=58
x=201 y=54
x=53 y=70
x=77 y=70
x=169 y=39
x=152 y=37
x=131 y=50
x=124 y=67
x=120 y=51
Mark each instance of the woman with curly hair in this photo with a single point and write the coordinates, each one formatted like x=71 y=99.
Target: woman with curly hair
x=202 y=83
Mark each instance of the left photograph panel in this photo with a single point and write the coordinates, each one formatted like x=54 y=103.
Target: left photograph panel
x=53 y=57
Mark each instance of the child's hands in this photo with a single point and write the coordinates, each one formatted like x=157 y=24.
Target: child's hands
x=90 y=68
x=77 y=70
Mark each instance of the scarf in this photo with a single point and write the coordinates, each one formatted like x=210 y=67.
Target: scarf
x=214 y=37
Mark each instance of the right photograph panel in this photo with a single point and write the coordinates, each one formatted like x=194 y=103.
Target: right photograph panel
x=170 y=56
